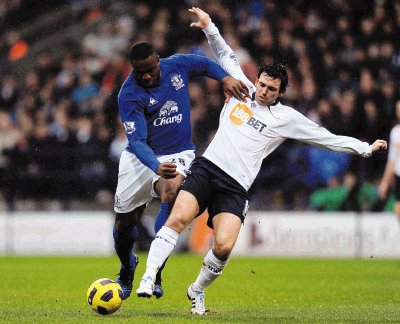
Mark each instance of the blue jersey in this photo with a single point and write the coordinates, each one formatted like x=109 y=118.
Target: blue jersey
x=160 y=116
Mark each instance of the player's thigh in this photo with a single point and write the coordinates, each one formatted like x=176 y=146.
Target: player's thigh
x=134 y=187
x=185 y=209
x=226 y=230
x=168 y=188
x=125 y=222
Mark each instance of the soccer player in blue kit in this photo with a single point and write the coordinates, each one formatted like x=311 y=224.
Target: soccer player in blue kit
x=155 y=111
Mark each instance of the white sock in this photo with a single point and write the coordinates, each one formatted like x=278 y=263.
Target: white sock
x=211 y=269
x=160 y=249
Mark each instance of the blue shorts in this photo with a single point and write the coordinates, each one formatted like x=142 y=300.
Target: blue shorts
x=216 y=190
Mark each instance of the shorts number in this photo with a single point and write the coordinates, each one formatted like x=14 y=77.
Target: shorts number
x=180 y=160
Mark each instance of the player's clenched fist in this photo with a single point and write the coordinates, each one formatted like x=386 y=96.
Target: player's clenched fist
x=379 y=145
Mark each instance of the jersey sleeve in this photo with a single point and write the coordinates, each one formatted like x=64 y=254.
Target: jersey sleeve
x=145 y=154
x=296 y=126
x=198 y=65
x=134 y=121
x=225 y=55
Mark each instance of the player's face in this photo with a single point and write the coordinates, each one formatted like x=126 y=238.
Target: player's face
x=267 y=89
x=147 y=71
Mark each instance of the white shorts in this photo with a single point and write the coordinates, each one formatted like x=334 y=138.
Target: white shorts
x=136 y=181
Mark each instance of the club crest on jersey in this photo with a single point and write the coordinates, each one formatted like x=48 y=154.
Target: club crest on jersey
x=168 y=114
x=177 y=81
x=152 y=101
x=233 y=58
x=129 y=127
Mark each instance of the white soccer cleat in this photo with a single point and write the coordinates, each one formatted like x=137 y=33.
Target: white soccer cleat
x=197 y=299
x=146 y=287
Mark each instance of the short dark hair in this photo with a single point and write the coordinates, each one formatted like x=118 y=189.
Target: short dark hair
x=276 y=71
x=141 y=51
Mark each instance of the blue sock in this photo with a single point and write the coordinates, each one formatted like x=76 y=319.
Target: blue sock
x=123 y=245
x=165 y=209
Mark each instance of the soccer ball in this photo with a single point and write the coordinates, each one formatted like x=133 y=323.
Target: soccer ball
x=104 y=296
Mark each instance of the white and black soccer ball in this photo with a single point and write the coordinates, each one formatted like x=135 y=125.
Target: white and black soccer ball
x=104 y=296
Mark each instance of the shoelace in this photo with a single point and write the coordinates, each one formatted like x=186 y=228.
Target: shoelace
x=199 y=301
x=147 y=279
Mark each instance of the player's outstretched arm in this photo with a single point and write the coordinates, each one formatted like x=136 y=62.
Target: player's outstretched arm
x=225 y=55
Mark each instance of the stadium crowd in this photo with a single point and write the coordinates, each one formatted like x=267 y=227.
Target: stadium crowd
x=60 y=135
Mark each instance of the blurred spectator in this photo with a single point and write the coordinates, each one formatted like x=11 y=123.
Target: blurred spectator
x=350 y=119
x=343 y=81
x=36 y=170
x=84 y=92
x=309 y=96
x=337 y=195
x=9 y=135
x=93 y=151
x=327 y=115
x=347 y=194
x=65 y=79
x=102 y=44
x=391 y=177
x=8 y=92
x=323 y=165
x=18 y=48
x=45 y=66
x=118 y=144
x=390 y=96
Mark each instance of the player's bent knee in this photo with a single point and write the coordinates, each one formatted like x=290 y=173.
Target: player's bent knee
x=176 y=222
x=222 y=251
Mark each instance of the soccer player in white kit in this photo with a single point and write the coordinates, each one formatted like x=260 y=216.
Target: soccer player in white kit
x=391 y=175
x=220 y=179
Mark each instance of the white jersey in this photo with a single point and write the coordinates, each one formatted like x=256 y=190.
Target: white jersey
x=394 y=149
x=249 y=132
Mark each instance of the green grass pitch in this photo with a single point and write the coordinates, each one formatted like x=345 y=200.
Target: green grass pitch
x=53 y=290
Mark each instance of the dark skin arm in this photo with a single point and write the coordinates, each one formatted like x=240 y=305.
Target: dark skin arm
x=235 y=88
